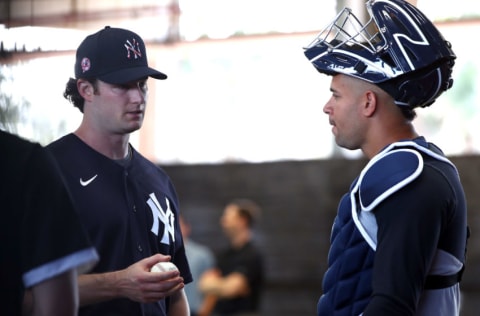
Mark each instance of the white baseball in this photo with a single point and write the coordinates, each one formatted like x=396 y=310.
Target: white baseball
x=163 y=267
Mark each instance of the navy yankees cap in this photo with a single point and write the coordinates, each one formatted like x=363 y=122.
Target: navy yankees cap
x=114 y=55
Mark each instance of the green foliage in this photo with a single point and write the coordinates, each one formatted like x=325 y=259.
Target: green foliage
x=10 y=109
x=464 y=93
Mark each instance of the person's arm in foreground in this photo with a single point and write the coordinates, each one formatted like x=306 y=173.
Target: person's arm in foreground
x=179 y=304
x=136 y=283
x=57 y=296
x=208 y=305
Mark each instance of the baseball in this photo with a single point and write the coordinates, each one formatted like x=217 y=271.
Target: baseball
x=163 y=267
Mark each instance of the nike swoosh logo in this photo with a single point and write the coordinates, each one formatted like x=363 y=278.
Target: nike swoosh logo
x=87 y=182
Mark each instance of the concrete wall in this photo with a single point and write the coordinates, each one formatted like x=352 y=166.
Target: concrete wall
x=299 y=201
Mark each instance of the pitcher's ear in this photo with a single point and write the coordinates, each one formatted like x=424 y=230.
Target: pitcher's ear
x=85 y=88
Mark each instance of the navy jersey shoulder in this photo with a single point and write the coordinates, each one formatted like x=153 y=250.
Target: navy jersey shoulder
x=39 y=229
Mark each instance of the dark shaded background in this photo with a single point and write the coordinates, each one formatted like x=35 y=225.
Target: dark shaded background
x=299 y=201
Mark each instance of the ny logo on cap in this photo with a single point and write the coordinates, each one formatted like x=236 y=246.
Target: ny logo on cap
x=133 y=49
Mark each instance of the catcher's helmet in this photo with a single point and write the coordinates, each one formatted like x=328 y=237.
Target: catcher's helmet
x=398 y=49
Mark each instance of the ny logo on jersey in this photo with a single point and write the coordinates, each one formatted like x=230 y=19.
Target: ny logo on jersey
x=166 y=216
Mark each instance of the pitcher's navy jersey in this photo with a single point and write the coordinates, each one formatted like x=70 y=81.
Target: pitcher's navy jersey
x=130 y=212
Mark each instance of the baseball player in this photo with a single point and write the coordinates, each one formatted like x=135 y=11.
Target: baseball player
x=128 y=204
x=398 y=241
